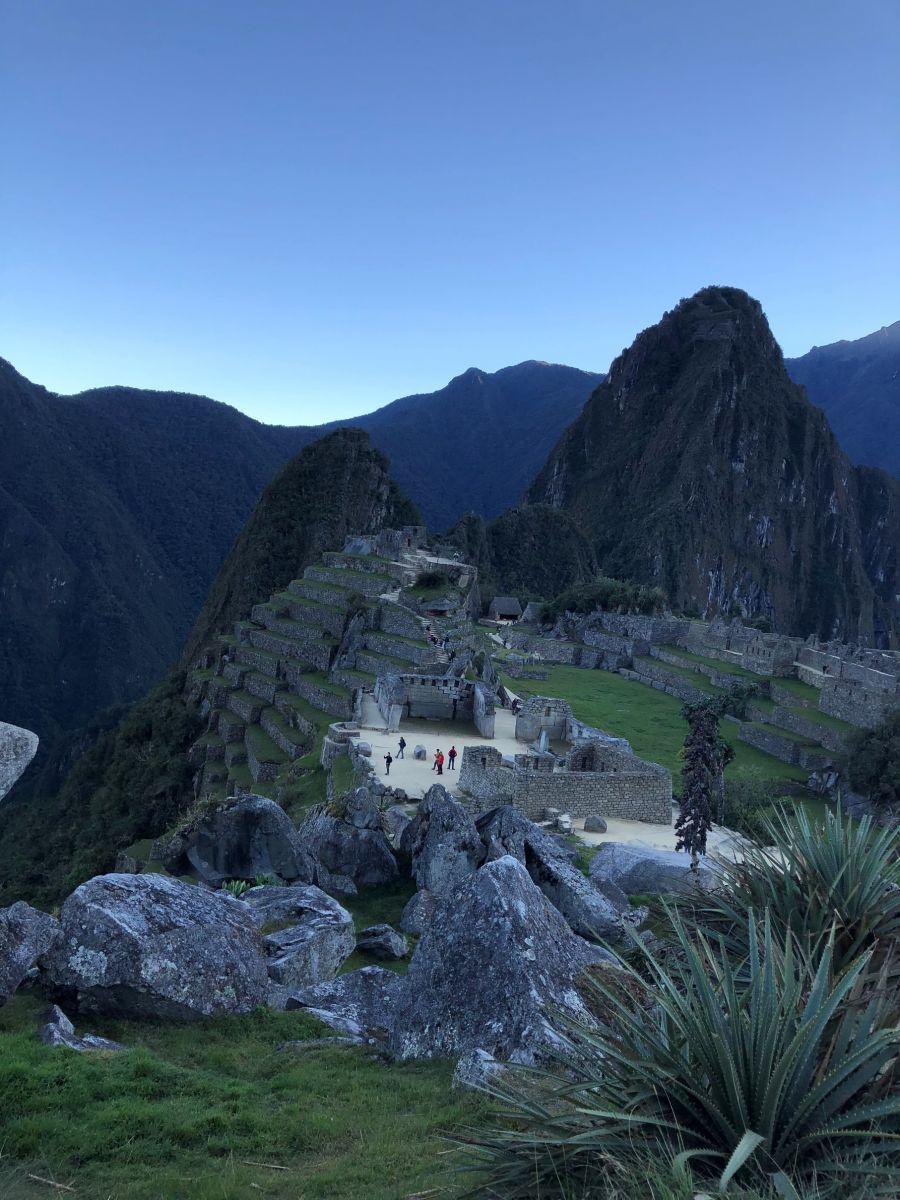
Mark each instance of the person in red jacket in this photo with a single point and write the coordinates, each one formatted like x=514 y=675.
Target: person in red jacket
x=451 y=754
x=440 y=763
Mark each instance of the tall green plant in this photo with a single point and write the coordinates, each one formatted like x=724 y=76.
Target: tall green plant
x=771 y=1068
x=815 y=877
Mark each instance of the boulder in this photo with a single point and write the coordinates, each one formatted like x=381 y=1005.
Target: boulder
x=149 y=946
x=359 y=1004
x=384 y=942
x=491 y=972
x=564 y=823
x=444 y=844
x=594 y=824
x=645 y=869
x=587 y=909
x=59 y=1031
x=307 y=935
x=347 y=839
x=240 y=839
x=419 y=913
x=364 y=748
x=550 y=815
x=17 y=748
x=420 y=752
x=476 y=1070
x=394 y=821
x=25 y=934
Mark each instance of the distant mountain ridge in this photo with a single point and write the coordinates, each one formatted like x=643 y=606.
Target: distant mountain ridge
x=699 y=466
x=118 y=506
x=857 y=385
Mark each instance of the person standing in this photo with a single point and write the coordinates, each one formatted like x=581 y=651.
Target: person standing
x=387 y=763
x=402 y=747
x=451 y=755
x=440 y=763
x=437 y=755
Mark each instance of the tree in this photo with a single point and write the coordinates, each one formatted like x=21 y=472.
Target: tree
x=873 y=765
x=705 y=755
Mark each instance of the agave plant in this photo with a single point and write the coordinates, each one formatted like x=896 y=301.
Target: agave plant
x=835 y=875
x=769 y=1068
x=235 y=887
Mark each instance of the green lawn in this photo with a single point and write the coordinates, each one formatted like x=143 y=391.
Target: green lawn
x=804 y=691
x=651 y=720
x=188 y=1110
x=822 y=718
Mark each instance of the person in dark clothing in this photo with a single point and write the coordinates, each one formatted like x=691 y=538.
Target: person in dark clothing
x=387 y=763
x=451 y=755
x=402 y=747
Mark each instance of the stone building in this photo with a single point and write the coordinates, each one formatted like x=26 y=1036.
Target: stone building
x=435 y=698
x=589 y=773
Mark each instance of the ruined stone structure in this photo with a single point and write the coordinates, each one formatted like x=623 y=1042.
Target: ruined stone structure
x=446 y=697
x=592 y=773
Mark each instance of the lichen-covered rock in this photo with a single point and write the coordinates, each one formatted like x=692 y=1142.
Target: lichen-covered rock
x=17 y=748
x=353 y=843
x=491 y=972
x=25 y=934
x=59 y=1031
x=419 y=913
x=594 y=824
x=394 y=822
x=359 y=1004
x=637 y=869
x=148 y=946
x=307 y=935
x=240 y=839
x=384 y=942
x=588 y=910
x=443 y=843
x=476 y=1070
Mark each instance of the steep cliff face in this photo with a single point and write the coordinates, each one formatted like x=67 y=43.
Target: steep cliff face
x=699 y=466
x=534 y=550
x=336 y=486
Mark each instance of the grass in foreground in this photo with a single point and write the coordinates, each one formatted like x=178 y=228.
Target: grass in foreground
x=188 y=1109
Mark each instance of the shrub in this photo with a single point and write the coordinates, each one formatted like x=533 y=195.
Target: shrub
x=432 y=579
x=611 y=595
x=773 y=1067
x=873 y=765
x=835 y=879
x=748 y=800
x=235 y=887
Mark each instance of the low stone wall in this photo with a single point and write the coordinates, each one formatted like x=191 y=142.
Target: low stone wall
x=646 y=629
x=615 y=644
x=394 y=647
x=644 y=796
x=293 y=718
x=330 y=620
x=245 y=706
x=719 y=679
x=353 y=581
x=782 y=696
x=313 y=589
x=784 y=748
x=305 y=646
x=336 y=703
x=858 y=705
x=263 y=686
x=231 y=728
x=257 y=660
x=293 y=749
x=394 y=618
x=831 y=739
x=666 y=681
x=262 y=772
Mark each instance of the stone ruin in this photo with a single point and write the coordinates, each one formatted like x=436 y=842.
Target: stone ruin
x=590 y=773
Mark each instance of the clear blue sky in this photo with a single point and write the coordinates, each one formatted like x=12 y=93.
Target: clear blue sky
x=307 y=208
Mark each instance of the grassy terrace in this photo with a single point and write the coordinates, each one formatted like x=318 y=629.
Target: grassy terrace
x=322 y=681
x=274 y=717
x=785 y=734
x=264 y=749
x=803 y=691
x=404 y=665
x=198 y=1110
x=726 y=668
x=320 y=720
x=650 y=719
x=694 y=678
x=822 y=718
x=285 y=598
